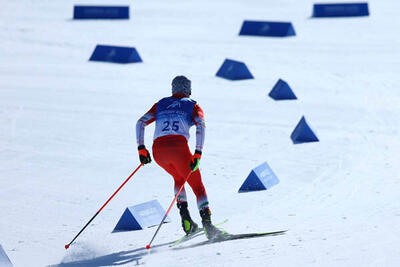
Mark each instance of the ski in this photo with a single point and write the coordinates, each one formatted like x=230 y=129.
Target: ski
x=199 y=232
x=248 y=235
x=229 y=237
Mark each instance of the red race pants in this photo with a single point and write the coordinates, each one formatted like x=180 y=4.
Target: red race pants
x=173 y=155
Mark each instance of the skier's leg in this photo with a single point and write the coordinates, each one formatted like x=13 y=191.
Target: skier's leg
x=196 y=183
x=188 y=225
x=182 y=158
x=182 y=167
x=166 y=157
x=163 y=156
x=199 y=190
x=211 y=231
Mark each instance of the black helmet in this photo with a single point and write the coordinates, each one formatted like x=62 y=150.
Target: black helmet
x=181 y=84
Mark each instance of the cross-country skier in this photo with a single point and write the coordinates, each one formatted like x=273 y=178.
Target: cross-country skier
x=174 y=115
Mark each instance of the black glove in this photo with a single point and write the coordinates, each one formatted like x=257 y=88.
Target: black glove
x=144 y=155
x=195 y=162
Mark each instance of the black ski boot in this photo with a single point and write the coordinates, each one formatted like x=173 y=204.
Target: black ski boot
x=212 y=232
x=189 y=226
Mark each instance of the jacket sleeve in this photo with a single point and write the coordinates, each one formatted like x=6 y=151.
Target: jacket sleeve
x=145 y=120
x=198 y=120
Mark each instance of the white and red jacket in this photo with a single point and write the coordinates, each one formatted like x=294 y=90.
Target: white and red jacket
x=174 y=115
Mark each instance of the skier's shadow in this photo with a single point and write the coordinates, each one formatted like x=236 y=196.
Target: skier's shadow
x=119 y=258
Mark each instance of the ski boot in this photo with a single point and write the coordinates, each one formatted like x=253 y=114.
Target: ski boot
x=189 y=226
x=212 y=232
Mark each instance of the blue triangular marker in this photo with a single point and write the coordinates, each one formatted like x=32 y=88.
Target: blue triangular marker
x=234 y=70
x=101 y=12
x=303 y=133
x=140 y=216
x=260 y=178
x=127 y=222
x=252 y=183
x=115 y=54
x=267 y=28
x=282 y=91
x=4 y=260
x=340 y=10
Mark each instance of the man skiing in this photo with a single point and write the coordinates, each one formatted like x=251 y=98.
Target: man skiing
x=174 y=116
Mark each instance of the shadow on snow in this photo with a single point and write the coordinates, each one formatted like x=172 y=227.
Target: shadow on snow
x=119 y=258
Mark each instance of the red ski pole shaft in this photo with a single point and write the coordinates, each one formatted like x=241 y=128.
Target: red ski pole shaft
x=102 y=207
x=169 y=209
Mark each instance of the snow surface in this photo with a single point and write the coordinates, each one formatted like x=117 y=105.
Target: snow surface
x=67 y=138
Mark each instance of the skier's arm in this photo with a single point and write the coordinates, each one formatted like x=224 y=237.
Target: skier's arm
x=145 y=120
x=198 y=119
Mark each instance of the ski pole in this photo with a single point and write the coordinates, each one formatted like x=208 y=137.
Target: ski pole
x=105 y=204
x=166 y=214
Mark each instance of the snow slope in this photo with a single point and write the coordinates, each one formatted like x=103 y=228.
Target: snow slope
x=67 y=136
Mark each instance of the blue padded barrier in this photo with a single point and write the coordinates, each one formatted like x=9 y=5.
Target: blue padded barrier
x=267 y=28
x=101 y=12
x=115 y=54
x=234 y=70
x=340 y=10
